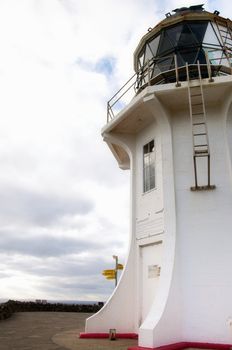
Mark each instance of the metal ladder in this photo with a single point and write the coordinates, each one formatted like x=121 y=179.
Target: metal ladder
x=198 y=124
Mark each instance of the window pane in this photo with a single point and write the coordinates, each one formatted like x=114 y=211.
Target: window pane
x=152 y=170
x=225 y=61
x=145 y=149
x=165 y=43
x=152 y=182
x=148 y=166
x=152 y=156
x=186 y=37
x=214 y=55
x=154 y=45
x=141 y=59
x=189 y=56
x=198 y=30
x=148 y=54
x=146 y=161
x=151 y=146
x=174 y=34
x=156 y=71
x=221 y=36
x=210 y=36
x=165 y=64
x=201 y=57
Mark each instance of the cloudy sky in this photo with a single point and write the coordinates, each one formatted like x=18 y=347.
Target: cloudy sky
x=64 y=203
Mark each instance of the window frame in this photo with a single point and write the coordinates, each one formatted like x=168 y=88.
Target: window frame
x=149 y=174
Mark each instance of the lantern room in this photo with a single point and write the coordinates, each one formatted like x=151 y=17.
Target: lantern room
x=187 y=36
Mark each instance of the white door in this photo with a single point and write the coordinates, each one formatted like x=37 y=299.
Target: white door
x=150 y=260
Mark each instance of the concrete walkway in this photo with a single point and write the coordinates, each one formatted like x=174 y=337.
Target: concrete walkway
x=52 y=330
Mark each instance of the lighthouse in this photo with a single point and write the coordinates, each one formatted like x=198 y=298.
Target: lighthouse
x=175 y=138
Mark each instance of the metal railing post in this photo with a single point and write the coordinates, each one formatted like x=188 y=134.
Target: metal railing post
x=108 y=111
x=178 y=84
x=148 y=73
x=208 y=67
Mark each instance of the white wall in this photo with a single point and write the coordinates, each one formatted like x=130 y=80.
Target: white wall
x=204 y=235
x=192 y=301
x=198 y=306
x=119 y=312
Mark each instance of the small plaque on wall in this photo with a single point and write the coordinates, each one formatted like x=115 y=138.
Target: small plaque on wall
x=153 y=271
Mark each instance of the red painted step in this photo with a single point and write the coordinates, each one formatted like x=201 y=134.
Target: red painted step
x=106 y=335
x=184 y=345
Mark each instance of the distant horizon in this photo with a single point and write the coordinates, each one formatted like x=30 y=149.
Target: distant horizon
x=53 y=301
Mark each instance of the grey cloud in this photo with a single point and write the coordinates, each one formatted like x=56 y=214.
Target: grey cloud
x=39 y=208
x=80 y=286
x=67 y=268
x=43 y=246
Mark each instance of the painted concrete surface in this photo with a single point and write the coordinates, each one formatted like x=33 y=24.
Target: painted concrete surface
x=52 y=330
x=34 y=330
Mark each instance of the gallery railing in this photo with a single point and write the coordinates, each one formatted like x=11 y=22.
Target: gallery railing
x=157 y=71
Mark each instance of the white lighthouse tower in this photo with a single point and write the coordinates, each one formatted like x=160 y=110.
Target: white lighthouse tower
x=175 y=136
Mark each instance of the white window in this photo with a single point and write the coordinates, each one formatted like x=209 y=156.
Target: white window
x=149 y=166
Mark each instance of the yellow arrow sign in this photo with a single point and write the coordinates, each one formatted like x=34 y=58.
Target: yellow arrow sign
x=108 y=273
x=110 y=277
x=120 y=267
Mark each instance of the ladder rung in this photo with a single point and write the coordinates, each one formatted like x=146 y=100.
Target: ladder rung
x=201 y=123
x=201 y=153
x=199 y=134
x=200 y=113
x=197 y=104
x=201 y=145
x=196 y=95
x=201 y=150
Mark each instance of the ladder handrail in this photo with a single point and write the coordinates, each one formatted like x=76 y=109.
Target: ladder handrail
x=190 y=104
x=198 y=127
x=203 y=103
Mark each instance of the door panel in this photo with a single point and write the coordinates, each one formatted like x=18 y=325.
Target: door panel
x=150 y=260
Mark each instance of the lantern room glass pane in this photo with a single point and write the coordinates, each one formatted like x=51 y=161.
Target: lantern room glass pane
x=148 y=54
x=156 y=71
x=186 y=37
x=223 y=35
x=141 y=59
x=154 y=45
x=165 y=64
x=165 y=43
x=174 y=34
x=189 y=56
x=198 y=30
x=210 y=37
x=214 y=55
x=201 y=56
x=225 y=61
